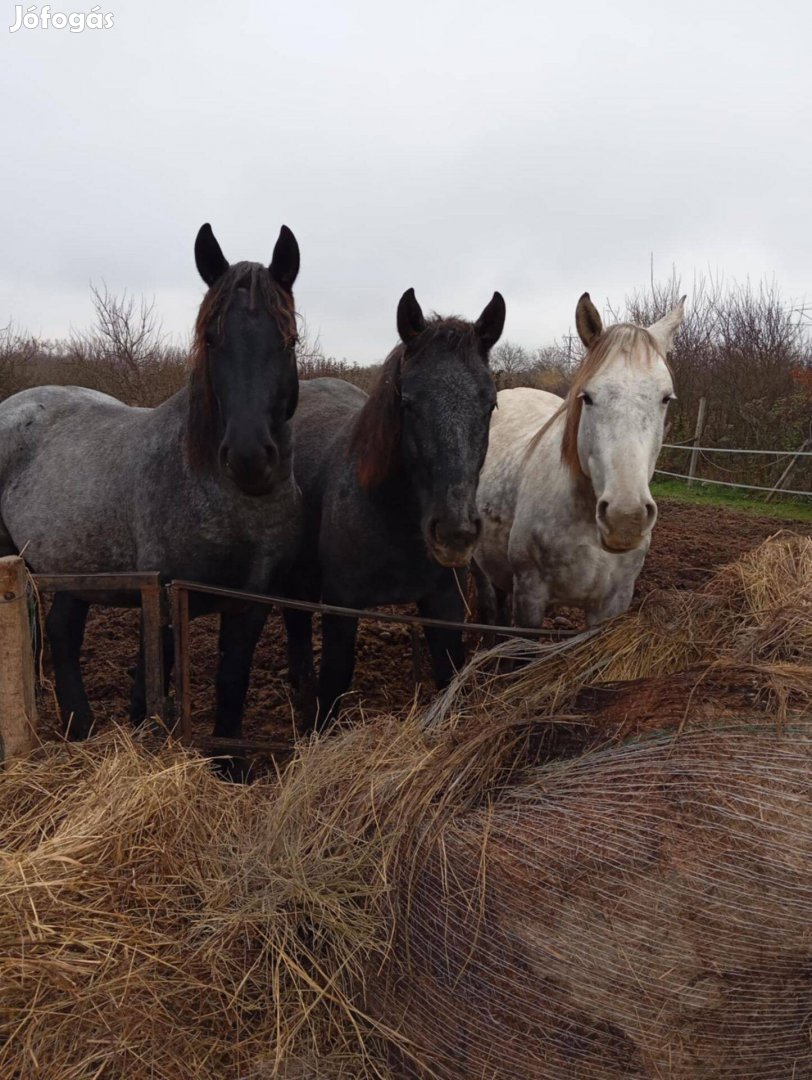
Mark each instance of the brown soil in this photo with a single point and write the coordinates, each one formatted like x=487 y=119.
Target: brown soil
x=689 y=543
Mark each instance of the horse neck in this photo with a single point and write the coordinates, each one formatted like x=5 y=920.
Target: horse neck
x=396 y=497
x=573 y=488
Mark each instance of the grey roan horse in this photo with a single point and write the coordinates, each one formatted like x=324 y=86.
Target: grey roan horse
x=200 y=487
x=389 y=486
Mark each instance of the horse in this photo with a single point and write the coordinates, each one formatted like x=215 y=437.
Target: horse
x=200 y=487
x=389 y=484
x=564 y=496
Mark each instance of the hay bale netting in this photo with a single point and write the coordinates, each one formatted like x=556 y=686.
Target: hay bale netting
x=643 y=912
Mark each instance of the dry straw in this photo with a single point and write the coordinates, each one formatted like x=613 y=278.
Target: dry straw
x=457 y=901
x=754 y=616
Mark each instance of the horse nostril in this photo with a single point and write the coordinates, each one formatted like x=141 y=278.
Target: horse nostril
x=651 y=511
x=603 y=509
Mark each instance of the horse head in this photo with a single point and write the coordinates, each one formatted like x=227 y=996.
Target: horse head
x=616 y=413
x=426 y=421
x=244 y=386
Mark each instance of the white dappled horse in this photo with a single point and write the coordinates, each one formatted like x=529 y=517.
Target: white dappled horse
x=564 y=493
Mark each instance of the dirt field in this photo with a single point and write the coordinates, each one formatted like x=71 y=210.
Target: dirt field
x=689 y=543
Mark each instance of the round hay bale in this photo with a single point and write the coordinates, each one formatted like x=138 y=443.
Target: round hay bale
x=424 y=899
x=643 y=912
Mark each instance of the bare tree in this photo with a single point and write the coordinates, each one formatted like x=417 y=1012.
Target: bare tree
x=510 y=364
x=127 y=353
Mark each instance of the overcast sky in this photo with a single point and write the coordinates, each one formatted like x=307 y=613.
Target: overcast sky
x=454 y=146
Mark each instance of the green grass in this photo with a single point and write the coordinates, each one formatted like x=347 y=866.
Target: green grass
x=747 y=502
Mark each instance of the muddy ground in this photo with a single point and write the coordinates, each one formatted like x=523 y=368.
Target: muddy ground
x=689 y=543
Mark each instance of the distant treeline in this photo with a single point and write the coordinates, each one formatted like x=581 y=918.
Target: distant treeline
x=743 y=348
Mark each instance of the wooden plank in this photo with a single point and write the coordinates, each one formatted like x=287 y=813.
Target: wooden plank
x=180 y=633
x=18 y=707
x=151 y=630
x=95 y=582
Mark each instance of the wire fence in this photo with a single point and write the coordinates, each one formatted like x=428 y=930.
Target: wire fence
x=734 y=450
x=728 y=483
x=774 y=489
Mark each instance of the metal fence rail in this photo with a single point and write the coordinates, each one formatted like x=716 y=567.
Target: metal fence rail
x=180 y=591
x=735 y=450
x=155 y=616
x=728 y=483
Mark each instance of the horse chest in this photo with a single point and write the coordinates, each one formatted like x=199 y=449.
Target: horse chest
x=585 y=575
x=366 y=563
x=228 y=541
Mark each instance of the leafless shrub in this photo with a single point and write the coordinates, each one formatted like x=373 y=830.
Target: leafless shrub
x=17 y=352
x=126 y=353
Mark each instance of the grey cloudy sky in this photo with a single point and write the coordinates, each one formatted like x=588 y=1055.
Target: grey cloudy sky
x=450 y=145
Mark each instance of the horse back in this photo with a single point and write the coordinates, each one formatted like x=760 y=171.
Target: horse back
x=322 y=426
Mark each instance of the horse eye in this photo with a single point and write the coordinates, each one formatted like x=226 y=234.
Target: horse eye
x=668 y=398
x=584 y=396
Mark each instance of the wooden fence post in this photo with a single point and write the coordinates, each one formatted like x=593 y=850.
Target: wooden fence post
x=700 y=423
x=18 y=707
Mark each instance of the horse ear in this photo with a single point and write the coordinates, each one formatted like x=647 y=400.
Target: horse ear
x=663 y=331
x=284 y=266
x=491 y=322
x=410 y=317
x=210 y=261
x=587 y=321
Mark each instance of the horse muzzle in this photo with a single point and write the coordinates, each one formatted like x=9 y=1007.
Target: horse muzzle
x=255 y=465
x=452 y=543
x=624 y=528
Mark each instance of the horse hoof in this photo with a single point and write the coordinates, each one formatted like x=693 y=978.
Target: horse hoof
x=78 y=728
x=234 y=770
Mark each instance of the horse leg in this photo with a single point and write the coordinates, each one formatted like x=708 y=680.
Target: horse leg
x=299 y=629
x=138 y=694
x=301 y=672
x=531 y=596
x=65 y=626
x=490 y=604
x=239 y=635
x=504 y=607
x=616 y=603
x=446 y=646
x=338 y=633
x=485 y=596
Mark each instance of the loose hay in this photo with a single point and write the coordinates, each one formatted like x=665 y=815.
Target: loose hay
x=754 y=615
x=429 y=901
x=145 y=930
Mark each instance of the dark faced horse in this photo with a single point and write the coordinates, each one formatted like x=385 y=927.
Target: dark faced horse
x=200 y=487
x=389 y=486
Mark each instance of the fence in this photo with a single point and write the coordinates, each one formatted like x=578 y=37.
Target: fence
x=180 y=591
x=155 y=600
x=774 y=489
x=693 y=445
